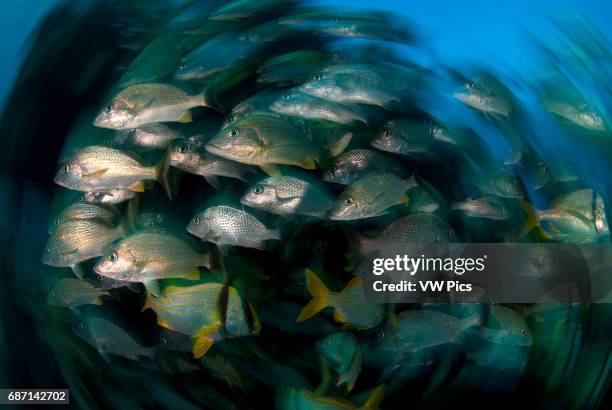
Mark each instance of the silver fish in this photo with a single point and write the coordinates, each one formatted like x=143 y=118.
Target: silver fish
x=75 y=292
x=110 y=197
x=285 y=195
x=354 y=164
x=149 y=103
x=489 y=207
x=225 y=225
x=83 y=210
x=147 y=137
x=371 y=195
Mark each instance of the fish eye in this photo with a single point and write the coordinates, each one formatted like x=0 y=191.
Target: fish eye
x=57 y=221
x=348 y=201
x=108 y=108
x=234 y=132
x=67 y=168
x=317 y=77
x=285 y=96
x=469 y=85
x=183 y=148
x=388 y=132
x=258 y=190
x=196 y=220
x=113 y=256
x=47 y=249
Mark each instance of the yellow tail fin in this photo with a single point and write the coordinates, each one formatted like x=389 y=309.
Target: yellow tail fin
x=319 y=293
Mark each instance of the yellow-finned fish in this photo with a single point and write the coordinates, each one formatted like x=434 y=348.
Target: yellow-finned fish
x=149 y=103
x=207 y=312
x=264 y=139
x=349 y=305
x=105 y=215
x=99 y=168
x=150 y=255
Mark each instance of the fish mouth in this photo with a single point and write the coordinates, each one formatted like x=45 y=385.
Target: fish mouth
x=214 y=149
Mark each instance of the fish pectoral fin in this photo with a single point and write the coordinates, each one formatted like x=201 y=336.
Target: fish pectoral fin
x=97 y=174
x=270 y=169
x=185 y=117
x=163 y=324
x=78 y=271
x=137 y=187
x=404 y=199
x=213 y=180
x=96 y=301
x=152 y=287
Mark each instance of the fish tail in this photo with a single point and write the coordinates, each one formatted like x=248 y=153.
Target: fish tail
x=319 y=293
x=411 y=182
x=274 y=233
x=208 y=98
x=376 y=396
x=161 y=173
x=532 y=217
x=337 y=147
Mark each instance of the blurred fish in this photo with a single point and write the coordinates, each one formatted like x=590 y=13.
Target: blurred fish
x=356 y=84
x=104 y=215
x=219 y=53
x=148 y=137
x=293 y=68
x=349 y=306
x=371 y=195
x=424 y=198
x=489 y=207
x=150 y=103
x=224 y=225
x=413 y=330
x=189 y=156
x=108 y=338
x=407 y=137
x=501 y=356
x=75 y=241
x=509 y=327
x=150 y=255
x=297 y=104
x=578 y=216
x=409 y=229
x=98 y=168
x=261 y=139
x=354 y=164
x=496 y=181
x=286 y=195
x=110 y=197
x=486 y=94
x=343 y=353
x=289 y=398
x=75 y=292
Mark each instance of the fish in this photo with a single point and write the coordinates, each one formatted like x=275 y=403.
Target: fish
x=151 y=103
x=371 y=195
x=220 y=53
x=489 y=207
x=150 y=255
x=349 y=306
x=224 y=225
x=505 y=326
x=189 y=156
x=354 y=164
x=287 y=195
x=72 y=293
x=354 y=84
x=293 y=68
x=496 y=181
x=486 y=94
x=108 y=338
x=577 y=216
x=110 y=197
x=206 y=312
x=83 y=210
x=500 y=356
x=410 y=137
x=98 y=168
x=76 y=241
x=297 y=104
x=290 y=398
x=414 y=330
x=424 y=228
x=343 y=353
x=261 y=139
x=146 y=137
x=424 y=198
